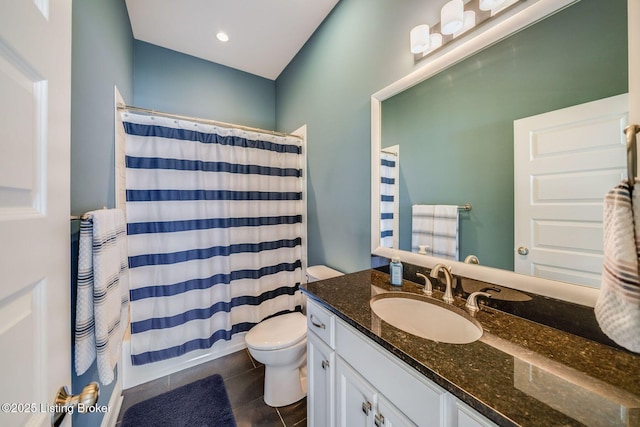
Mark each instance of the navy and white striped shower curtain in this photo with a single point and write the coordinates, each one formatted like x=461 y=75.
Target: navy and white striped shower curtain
x=214 y=224
x=388 y=163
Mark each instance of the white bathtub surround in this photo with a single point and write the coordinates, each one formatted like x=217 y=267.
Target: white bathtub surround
x=103 y=292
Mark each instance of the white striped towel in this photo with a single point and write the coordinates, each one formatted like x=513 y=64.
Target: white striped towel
x=618 y=306
x=103 y=292
x=437 y=227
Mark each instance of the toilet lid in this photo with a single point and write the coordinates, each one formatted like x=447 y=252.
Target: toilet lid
x=277 y=332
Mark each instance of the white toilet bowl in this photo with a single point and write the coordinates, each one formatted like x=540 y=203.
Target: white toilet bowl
x=280 y=343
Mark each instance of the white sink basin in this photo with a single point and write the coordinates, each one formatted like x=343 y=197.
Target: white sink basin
x=426 y=317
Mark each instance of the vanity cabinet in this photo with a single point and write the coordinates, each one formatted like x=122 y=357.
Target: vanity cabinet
x=320 y=382
x=352 y=381
x=320 y=367
x=359 y=404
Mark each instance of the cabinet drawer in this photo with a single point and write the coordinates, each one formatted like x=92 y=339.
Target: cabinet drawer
x=321 y=323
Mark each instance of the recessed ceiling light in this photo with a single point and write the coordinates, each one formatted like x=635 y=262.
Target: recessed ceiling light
x=222 y=36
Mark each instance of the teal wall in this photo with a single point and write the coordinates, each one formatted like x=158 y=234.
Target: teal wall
x=102 y=56
x=455 y=130
x=362 y=47
x=169 y=81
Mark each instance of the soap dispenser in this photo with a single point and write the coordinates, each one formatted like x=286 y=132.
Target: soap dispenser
x=395 y=269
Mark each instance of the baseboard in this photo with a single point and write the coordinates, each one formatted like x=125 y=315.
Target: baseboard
x=115 y=403
x=136 y=375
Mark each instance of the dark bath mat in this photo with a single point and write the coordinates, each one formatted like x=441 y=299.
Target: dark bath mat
x=203 y=403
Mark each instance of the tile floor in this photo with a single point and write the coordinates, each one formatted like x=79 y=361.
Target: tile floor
x=243 y=377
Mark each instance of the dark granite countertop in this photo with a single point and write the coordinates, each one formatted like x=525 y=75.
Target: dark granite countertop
x=519 y=373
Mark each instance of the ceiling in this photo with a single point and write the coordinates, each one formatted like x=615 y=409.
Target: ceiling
x=264 y=35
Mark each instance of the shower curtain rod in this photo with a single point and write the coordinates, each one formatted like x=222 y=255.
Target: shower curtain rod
x=123 y=107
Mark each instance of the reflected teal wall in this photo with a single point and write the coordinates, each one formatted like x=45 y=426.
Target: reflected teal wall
x=362 y=47
x=455 y=130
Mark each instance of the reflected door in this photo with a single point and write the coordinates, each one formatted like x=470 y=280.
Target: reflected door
x=558 y=209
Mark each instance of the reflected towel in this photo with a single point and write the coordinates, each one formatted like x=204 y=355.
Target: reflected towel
x=435 y=226
x=103 y=292
x=618 y=306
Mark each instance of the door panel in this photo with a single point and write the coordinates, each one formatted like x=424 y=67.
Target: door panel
x=35 y=77
x=558 y=209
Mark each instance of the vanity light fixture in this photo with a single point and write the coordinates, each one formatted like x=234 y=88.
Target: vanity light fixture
x=222 y=36
x=419 y=37
x=469 y=22
x=451 y=17
x=457 y=17
x=490 y=4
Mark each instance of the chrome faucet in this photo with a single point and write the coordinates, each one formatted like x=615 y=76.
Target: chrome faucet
x=428 y=288
x=471 y=259
x=472 y=304
x=448 y=295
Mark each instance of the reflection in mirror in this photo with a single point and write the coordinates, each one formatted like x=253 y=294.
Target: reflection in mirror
x=389 y=167
x=456 y=129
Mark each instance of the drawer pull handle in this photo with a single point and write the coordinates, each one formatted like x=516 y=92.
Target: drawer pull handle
x=317 y=324
x=325 y=364
x=366 y=407
x=379 y=420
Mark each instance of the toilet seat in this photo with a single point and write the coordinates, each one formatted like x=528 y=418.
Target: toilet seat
x=278 y=332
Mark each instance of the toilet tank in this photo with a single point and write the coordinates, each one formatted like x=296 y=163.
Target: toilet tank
x=321 y=272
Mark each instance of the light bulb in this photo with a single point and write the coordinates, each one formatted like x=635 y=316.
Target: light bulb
x=419 y=37
x=452 y=17
x=490 y=4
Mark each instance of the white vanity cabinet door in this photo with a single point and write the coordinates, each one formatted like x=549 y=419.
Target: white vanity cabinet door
x=320 y=383
x=356 y=398
x=467 y=417
x=420 y=399
x=388 y=415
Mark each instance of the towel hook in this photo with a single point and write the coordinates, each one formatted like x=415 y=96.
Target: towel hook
x=632 y=153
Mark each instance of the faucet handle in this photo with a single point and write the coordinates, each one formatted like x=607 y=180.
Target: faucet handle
x=428 y=288
x=472 y=304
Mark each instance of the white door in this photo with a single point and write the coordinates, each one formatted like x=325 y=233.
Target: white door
x=35 y=79
x=355 y=397
x=558 y=204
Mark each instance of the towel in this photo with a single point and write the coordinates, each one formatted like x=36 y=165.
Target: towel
x=435 y=226
x=103 y=292
x=618 y=306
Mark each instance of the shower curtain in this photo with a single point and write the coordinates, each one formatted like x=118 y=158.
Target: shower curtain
x=214 y=224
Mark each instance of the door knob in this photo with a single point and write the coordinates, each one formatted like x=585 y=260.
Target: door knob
x=523 y=250
x=67 y=403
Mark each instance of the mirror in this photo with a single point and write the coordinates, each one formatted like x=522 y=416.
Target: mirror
x=455 y=123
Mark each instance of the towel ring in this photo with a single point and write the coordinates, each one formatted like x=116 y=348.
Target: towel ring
x=632 y=153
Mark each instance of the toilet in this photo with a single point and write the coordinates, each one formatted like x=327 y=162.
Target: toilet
x=280 y=343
